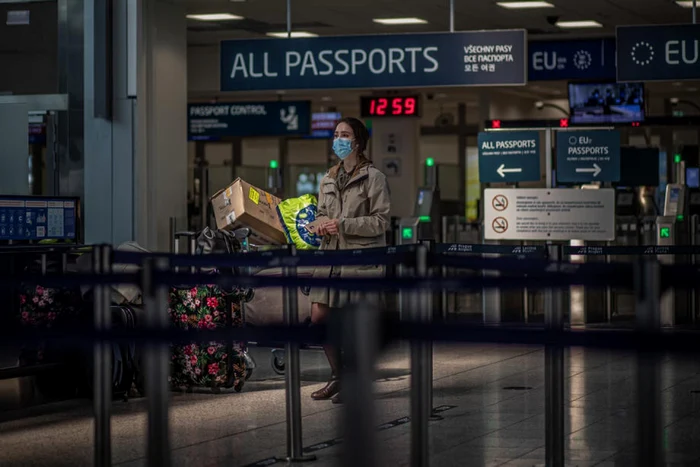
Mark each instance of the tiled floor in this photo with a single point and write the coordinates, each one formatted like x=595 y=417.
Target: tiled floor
x=489 y=425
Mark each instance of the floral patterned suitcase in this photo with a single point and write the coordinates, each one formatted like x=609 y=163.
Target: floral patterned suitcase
x=215 y=365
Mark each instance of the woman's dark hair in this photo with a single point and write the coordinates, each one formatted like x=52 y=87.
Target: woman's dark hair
x=359 y=131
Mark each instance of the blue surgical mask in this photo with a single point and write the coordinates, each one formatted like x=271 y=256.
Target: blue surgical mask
x=342 y=147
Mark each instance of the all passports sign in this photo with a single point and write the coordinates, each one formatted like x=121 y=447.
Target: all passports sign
x=509 y=157
x=586 y=156
x=475 y=58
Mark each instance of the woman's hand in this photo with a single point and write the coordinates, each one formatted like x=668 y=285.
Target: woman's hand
x=331 y=227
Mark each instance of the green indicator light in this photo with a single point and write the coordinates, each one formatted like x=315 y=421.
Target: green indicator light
x=677 y=158
x=424 y=219
x=679 y=217
x=274 y=164
x=407 y=233
x=665 y=232
x=429 y=162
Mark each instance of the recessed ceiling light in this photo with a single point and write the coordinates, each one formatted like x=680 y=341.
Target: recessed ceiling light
x=524 y=5
x=215 y=17
x=692 y=89
x=295 y=34
x=326 y=98
x=578 y=24
x=395 y=21
x=685 y=3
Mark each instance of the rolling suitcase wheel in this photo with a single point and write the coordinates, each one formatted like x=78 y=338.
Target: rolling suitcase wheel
x=278 y=361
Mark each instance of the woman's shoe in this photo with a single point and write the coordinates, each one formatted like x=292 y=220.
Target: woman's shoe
x=328 y=391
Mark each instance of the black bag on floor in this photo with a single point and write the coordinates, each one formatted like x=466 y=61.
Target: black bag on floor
x=125 y=357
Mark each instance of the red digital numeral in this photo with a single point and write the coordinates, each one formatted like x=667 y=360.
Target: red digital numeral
x=409 y=106
x=396 y=107
x=372 y=107
x=381 y=106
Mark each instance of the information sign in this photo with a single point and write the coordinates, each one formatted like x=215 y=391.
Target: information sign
x=586 y=156
x=472 y=58
x=35 y=218
x=658 y=53
x=549 y=214
x=592 y=59
x=211 y=122
x=509 y=156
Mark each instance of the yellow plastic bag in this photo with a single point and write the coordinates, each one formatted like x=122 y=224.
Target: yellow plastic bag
x=295 y=214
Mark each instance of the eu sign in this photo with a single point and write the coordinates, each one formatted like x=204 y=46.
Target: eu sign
x=658 y=53
x=509 y=156
x=210 y=122
x=564 y=60
x=479 y=58
x=587 y=156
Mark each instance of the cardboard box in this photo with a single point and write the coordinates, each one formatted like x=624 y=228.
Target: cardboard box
x=243 y=205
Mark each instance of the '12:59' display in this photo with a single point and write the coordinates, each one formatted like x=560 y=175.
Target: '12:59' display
x=390 y=106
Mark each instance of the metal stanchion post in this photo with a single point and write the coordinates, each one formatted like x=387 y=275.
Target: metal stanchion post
x=172 y=231
x=421 y=373
x=649 y=422
x=102 y=363
x=357 y=329
x=426 y=313
x=554 y=375
x=157 y=365
x=292 y=374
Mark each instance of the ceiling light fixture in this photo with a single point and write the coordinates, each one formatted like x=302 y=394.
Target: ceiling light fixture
x=685 y=3
x=215 y=17
x=295 y=34
x=578 y=24
x=524 y=5
x=397 y=21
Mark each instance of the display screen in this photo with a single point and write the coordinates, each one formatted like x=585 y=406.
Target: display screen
x=674 y=195
x=390 y=106
x=38 y=218
x=625 y=199
x=594 y=103
x=424 y=203
x=323 y=124
x=638 y=167
x=692 y=177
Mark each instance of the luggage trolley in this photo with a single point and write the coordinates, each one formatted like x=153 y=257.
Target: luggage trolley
x=277 y=355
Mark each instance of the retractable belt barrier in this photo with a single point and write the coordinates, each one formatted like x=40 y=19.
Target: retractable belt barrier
x=633 y=250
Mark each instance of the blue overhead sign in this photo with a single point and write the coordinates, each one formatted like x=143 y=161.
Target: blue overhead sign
x=588 y=156
x=211 y=122
x=509 y=156
x=563 y=60
x=474 y=58
x=658 y=53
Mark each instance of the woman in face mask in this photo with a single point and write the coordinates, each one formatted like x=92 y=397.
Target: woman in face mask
x=354 y=198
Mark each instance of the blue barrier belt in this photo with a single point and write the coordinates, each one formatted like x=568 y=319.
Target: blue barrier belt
x=633 y=250
x=555 y=277
x=515 y=250
x=280 y=258
x=444 y=332
x=529 y=266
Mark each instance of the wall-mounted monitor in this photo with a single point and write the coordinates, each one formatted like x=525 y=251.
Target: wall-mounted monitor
x=323 y=124
x=606 y=103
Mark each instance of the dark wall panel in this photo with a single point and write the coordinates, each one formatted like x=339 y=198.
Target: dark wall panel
x=28 y=53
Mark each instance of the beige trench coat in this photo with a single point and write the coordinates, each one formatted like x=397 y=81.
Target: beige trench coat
x=362 y=208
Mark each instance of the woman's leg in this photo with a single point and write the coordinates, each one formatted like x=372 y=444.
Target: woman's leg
x=319 y=315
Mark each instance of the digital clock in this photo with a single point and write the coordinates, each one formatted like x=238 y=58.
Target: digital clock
x=390 y=106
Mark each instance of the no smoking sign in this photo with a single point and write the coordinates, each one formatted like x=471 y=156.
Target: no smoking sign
x=499 y=225
x=499 y=203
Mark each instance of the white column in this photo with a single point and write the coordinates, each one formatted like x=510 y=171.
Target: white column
x=160 y=159
x=396 y=140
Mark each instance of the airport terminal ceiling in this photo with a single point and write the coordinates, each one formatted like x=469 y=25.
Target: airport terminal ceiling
x=250 y=19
